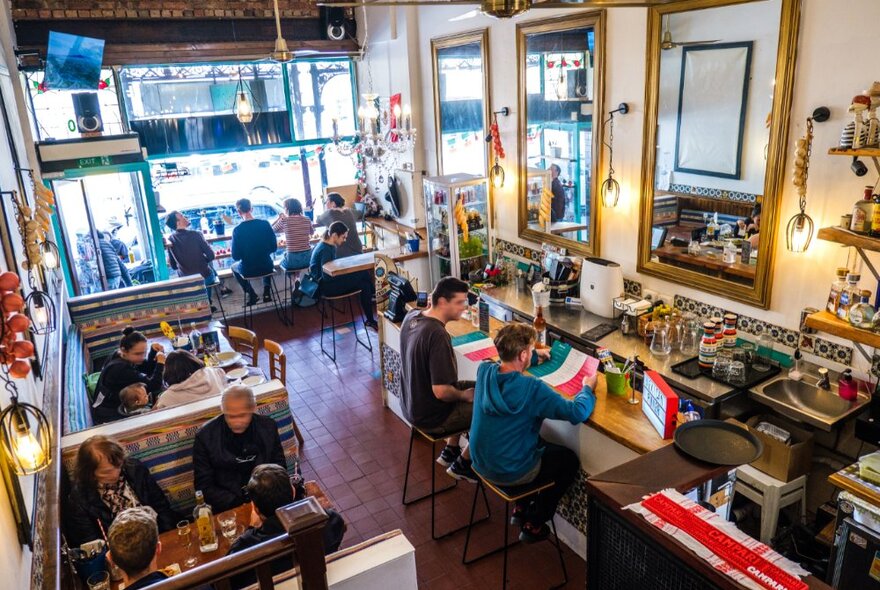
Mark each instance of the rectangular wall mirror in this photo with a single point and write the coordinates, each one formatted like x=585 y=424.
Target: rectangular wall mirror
x=461 y=102
x=717 y=107
x=561 y=71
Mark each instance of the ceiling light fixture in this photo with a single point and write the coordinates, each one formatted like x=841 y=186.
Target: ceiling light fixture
x=243 y=107
x=799 y=231
x=611 y=188
x=281 y=53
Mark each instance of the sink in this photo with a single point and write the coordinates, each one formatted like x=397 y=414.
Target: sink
x=804 y=401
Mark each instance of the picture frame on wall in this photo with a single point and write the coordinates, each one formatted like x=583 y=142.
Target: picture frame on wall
x=708 y=101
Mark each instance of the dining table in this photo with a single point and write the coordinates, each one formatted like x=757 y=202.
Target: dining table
x=175 y=552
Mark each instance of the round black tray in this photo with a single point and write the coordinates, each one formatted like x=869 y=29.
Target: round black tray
x=718 y=442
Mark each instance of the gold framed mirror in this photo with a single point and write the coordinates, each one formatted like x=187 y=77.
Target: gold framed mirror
x=561 y=72
x=461 y=102
x=717 y=104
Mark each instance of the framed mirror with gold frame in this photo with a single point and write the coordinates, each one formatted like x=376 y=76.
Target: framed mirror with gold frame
x=717 y=103
x=461 y=102
x=561 y=71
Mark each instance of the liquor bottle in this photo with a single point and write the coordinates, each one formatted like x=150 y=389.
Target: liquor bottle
x=849 y=296
x=863 y=213
x=837 y=288
x=204 y=519
x=195 y=338
x=540 y=325
x=875 y=219
x=710 y=229
x=203 y=223
x=861 y=314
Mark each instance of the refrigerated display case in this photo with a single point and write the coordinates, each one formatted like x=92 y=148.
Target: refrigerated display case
x=455 y=205
x=536 y=180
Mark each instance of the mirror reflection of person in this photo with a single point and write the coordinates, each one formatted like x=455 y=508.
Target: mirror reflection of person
x=557 y=206
x=753 y=230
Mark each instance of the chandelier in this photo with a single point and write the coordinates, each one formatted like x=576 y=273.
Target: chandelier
x=382 y=134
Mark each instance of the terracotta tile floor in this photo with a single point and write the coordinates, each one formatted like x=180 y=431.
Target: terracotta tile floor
x=357 y=449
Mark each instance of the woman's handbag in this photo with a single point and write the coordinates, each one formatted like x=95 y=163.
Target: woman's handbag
x=309 y=286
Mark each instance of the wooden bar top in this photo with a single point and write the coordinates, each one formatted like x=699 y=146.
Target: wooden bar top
x=365 y=261
x=852 y=484
x=613 y=415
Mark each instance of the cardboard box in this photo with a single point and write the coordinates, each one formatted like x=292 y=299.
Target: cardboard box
x=783 y=461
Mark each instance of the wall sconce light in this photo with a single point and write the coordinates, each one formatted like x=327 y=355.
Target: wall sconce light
x=26 y=437
x=799 y=231
x=496 y=173
x=610 y=189
x=41 y=311
x=51 y=256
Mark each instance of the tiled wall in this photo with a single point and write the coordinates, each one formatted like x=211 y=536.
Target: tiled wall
x=713 y=193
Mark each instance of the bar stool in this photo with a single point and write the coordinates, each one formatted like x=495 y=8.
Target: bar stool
x=510 y=494
x=217 y=287
x=275 y=296
x=434 y=491
x=291 y=276
x=323 y=303
x=771 y=494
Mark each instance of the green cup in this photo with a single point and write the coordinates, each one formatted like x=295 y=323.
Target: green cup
x=616 y=383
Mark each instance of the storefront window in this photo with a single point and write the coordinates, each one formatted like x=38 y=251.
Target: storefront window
x=321 y=91
x=53 y=115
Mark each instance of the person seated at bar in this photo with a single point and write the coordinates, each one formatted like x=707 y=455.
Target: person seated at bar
x=113 y=267
x=269 y=489
x=189 y=253
x=106 y=482
x=337 y=211
x=133 y=540
x=753 y=230
x=228 y=447
x=432 y=398
x=297 y=229
x=188 y=380
x=134 y=400
x=129 y=364
x=253 y=243
x=334 y=236
x=509 y=408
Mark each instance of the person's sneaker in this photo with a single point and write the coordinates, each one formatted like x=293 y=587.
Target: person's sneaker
x=518 y=516
x=252 y=299
x=448 y=455
x=372 y=324
x=213 y=309
x=461 y=470
x=225 y=291
x=531 y=533
x=267 y=296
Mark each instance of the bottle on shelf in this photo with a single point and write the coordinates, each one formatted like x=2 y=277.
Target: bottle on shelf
x=195 y=338
x=875 y=219
x=540 y=325
x=203 y=516
x=863 y=213
x=203 y=223
x=849 y=295
x=837 y=288
x=862 y=313
x=712 y=227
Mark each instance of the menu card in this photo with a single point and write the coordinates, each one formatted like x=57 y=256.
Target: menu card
x=566 y=369
x=475 y=346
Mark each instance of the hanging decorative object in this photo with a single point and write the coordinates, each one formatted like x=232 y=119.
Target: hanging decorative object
x=799 y=231
x=381 y=135
x=41 y=310
x=243 y=107
x=610 y=189
x=25 y=435
x=496 y=173
x=461 y=219
x=34 y=223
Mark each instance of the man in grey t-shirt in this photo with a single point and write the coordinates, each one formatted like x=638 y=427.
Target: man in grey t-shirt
x=337 y=211
x=431 y=397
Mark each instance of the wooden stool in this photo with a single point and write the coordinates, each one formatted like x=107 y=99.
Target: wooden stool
x=325 y=301
x=275 y=296
x=771 y=494
x=290 y=277
x=510 y=494
x=434 y=439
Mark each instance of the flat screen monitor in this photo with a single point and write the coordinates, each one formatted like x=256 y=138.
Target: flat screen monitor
x=658 y=237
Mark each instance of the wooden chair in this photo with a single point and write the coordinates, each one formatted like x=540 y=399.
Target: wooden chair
x=245 y=342
x=278 y=370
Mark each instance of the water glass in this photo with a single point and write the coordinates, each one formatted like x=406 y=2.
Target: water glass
x=228 y=525
x=721 y=368
x=99 y=581
x=748 y=352
x=736 y=373
x=184 y=532
x=764 y=353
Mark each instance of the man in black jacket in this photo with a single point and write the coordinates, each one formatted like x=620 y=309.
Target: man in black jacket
x=228 y=447
x=269 y=489
x=253 y=243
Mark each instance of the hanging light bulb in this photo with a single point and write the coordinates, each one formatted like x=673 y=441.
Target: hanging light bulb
x=610 y=191
x=244 y=110
x=41 y=311
x=51 y=257
x=496 y=174
x=26 y=438
x=799 y=233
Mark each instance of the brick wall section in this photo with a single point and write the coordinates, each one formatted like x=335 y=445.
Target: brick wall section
x=158 y=9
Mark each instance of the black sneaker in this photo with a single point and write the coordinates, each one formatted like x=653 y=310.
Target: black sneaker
x=531 y=533
x=372 y=324
x=267 y=296
x=225 y=291
x=518 y=516
x=461 y=470
x=252 y=299
x=213 y=309
x=448 y=455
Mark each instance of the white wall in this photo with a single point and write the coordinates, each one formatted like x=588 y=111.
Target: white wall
x=829 y=72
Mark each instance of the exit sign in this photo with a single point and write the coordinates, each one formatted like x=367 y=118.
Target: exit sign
x=94 y=162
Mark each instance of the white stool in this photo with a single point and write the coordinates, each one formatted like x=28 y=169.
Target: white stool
x=771 y=495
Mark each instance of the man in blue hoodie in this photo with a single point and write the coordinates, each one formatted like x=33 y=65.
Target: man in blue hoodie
x=509 y=408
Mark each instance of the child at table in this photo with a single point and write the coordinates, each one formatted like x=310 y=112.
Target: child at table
x=134 y=400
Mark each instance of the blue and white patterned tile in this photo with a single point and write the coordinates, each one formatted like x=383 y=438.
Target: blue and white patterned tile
x=838 y=353
x=632 y=288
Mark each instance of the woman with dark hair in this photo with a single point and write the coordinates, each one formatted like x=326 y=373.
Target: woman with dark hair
x=106 y=482
x=297 y=230
x=131 y=363
x=362 y=281
x=189 y=380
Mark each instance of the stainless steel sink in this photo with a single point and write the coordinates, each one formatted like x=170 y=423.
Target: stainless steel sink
x=804 y=401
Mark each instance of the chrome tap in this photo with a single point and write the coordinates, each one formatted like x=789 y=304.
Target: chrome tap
x=823 y=382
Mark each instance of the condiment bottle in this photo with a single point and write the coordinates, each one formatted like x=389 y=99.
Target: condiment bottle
x=863 y=213
x=540 y=325
x=875 y=220
x=861 y=314
x=837 y=288
x=849 y=295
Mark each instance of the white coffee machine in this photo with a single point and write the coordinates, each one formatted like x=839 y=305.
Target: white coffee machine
x=601 y=282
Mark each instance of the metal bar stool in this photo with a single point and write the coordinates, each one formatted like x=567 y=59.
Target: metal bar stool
x=291 y=276
x=510 y=494
x=217 y=287
x=324 y=302
x=434 y=491
x=275 y=296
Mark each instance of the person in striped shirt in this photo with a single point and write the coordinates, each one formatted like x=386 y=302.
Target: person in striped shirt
x=297 y=230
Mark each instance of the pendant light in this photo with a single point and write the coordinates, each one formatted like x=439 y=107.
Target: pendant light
x=41 y=311
x=51 y=256
x=496 y=172
x=799 y=231
x=610 y=189
x=281 y=53
x=243 y=108
x=26 y=436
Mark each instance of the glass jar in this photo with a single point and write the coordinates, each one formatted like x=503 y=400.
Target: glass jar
x=660 y=345
x=765 y=352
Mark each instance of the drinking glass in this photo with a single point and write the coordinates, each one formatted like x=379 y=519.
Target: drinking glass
x=721 y=368
x=736 y=373
x=748 y=350
x=765 y=352
x=99 y=581
x=228 y=525
x=184 y=532
x=660 y=345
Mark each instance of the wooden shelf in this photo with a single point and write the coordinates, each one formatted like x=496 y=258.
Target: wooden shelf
x=861 y=152
x=826 y=322
x=849 y=238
